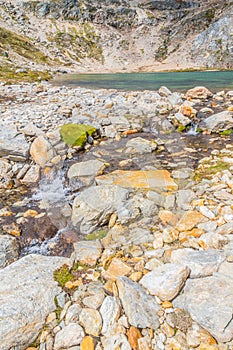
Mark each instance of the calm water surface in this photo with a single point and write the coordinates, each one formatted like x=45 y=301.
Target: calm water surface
x=176 y=81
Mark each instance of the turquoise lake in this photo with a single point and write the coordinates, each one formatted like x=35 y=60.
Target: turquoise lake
x=175 y=81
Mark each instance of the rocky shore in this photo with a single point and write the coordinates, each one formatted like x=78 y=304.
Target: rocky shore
x=116 y=219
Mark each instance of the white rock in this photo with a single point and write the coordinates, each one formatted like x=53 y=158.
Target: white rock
x=91 y=320
x=115 y=342
x=110 y=312
x=68 y=336
x=87 y=252
x=165 y=281
x=27 y=292
x=201 y=263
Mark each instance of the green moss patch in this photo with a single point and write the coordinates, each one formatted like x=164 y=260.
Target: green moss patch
x=20 y=45
x=96 y=235
x=63 y=275
x=8 y=74
x=207 y=170
x=226 y=132
x=76 y=134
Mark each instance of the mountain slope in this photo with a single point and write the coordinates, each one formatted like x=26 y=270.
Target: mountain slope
x=116 y=35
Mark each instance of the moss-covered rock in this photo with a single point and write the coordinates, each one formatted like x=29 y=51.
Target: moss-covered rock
x=76 y=134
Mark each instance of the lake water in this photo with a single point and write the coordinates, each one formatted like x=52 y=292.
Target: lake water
x=175 y=81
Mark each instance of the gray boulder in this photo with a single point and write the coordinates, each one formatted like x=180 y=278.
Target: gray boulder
x=166 y=280
x=201 y=263
x=83 y=173
x=27 y=292
x=209 y=301
x=218 y=122
x=12 y=143
x=94 y=206
x=140 y=308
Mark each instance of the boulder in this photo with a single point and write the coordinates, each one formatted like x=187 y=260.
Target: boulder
x=83 y=173
x=199 y=92
x=12 y=143
x=141 y=309
x=209 y=301
x=218 y=122
x=76 y=134
x=201 y=263
x=42 y=151
x=140 y=145
x=95 y=205
x=27 y=292
x=166 y=280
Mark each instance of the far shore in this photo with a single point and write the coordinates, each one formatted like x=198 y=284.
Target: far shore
x=153 y=68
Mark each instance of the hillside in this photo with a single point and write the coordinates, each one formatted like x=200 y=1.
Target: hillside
x=115 y=35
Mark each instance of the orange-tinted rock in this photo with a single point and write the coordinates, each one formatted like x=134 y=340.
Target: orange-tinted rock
x=166 y=304
x=205 y=337
x=149 y=179
x=188 y=111
x=189 y=220
x=30 y=212
x=133 y=335
x=41 y=151
x=196 y=233
x=167 y=217
x=87 y=343
x=199 y=92
x=117 y=268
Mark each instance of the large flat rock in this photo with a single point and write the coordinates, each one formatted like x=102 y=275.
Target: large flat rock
x=27 y=292
x=209 y=301
x=157 y=179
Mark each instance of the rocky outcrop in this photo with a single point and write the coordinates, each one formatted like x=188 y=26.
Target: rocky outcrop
x=118 y=35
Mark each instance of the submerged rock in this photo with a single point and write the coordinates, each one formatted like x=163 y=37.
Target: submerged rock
x=140 y=145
